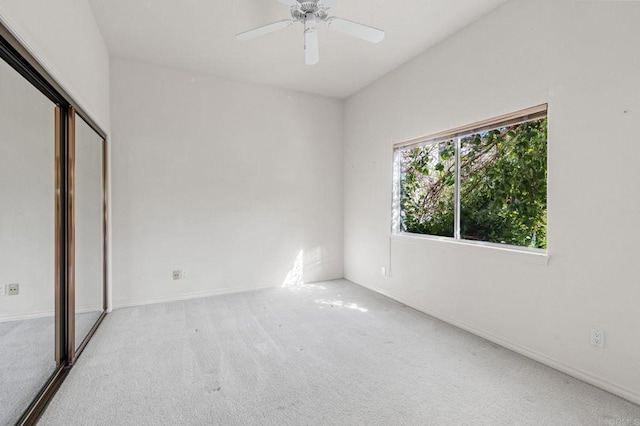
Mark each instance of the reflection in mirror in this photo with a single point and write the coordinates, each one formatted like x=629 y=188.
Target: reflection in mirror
x=89 y=271
x=27 y=243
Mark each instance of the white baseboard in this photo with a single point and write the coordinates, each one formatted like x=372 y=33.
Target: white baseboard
x=577 y=373
x=86 y=310
x=142 y=302
x=28 y=316
x=45 y=314
x=133 y=303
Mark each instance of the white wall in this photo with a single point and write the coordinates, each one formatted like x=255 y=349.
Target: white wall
x=228 y=181
x=583 y=59
x=64 y=36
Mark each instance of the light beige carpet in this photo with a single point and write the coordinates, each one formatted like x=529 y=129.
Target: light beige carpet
x=27 y=360
x=326 y=354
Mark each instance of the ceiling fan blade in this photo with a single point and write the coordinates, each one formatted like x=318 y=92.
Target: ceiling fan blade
x=328 y=3
x=289 y=3
x=364 y=32
x=311 y=48
x=264 y=30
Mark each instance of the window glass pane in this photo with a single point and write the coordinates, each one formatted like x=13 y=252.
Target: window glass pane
x=427 y=189
x=503 y=178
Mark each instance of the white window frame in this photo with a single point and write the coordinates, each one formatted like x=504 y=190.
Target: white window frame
x=529 y=114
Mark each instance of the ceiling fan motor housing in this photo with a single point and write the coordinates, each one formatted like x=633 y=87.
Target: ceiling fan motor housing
x=308 y=7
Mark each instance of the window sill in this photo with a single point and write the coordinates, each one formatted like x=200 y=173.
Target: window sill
x=522 y=254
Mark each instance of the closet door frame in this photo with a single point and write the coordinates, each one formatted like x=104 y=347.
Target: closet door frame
x=66 y=353
x=73 y=349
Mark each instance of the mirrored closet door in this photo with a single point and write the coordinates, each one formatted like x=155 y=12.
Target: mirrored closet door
x=27 y=243
x=88 y=198
x=52 y=233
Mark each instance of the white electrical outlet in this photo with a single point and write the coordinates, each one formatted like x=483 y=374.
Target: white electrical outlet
x=180 y=275
x=13 y=289
x=597 y=338
x=2 y=293
x=383 y=271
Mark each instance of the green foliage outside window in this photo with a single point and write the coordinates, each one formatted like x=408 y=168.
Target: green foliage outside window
x=503 y=186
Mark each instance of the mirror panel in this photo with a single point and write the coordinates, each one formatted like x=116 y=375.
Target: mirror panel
x=89 y=225
x=27 y=243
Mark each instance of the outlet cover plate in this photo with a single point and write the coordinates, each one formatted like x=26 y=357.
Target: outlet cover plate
x=13 y=289
x=597 y=338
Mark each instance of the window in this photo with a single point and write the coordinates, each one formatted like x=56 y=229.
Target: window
x=484 y=182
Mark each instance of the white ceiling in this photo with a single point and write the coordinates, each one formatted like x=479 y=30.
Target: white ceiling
x=199 y=35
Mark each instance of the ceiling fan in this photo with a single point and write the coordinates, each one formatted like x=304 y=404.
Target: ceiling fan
x=309 y=13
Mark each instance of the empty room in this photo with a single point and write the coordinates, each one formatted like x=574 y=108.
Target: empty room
x=325 y=212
